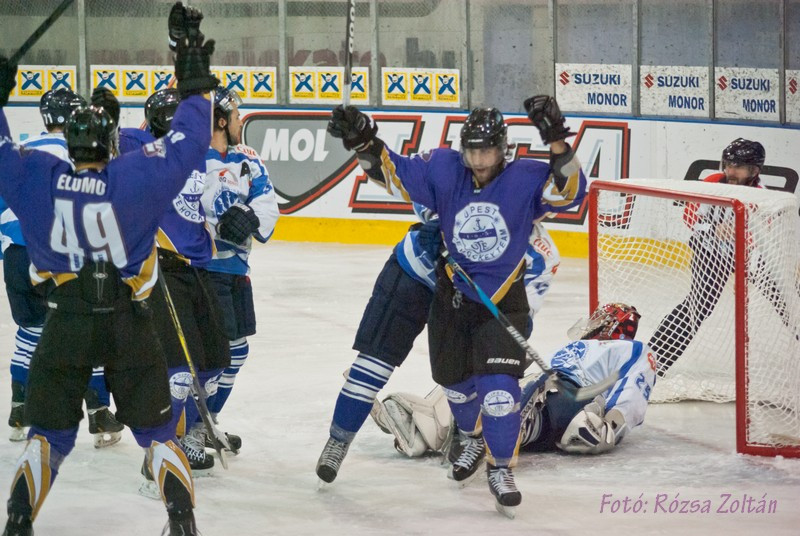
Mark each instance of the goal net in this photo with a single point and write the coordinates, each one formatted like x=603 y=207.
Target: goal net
x=713 y=270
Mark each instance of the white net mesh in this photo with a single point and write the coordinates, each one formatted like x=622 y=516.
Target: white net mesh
x=674 y=261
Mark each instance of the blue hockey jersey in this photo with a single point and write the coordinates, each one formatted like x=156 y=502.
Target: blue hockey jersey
x=70 y=218
x=486 y=229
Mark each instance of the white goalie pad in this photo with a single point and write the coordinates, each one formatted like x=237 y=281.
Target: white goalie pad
x=418 y=424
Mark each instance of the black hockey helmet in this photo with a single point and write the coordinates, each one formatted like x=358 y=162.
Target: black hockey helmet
x=159 y=109
x=90 y=133
x=484 y=127
x=607 y=322
x=742 y=152
x=56 y=106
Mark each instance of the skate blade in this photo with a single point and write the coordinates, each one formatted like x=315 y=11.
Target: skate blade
x=106 y=439
x=150 y=490
x=18 y=434
x=509 y=511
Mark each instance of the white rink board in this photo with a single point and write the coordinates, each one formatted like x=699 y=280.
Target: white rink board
x=594 y=88
x=674 y=91
x=745 y=93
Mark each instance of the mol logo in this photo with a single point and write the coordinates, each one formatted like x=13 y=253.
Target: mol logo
x=648 y=81
x=564 y=78
x=793 y=86
x=722 y=83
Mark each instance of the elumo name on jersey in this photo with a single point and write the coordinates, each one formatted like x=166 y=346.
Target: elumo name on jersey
x=86 y=185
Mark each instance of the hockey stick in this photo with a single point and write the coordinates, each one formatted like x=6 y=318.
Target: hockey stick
x=43 y=27
x=218 y=439
x=348 y=51
x=578 y=393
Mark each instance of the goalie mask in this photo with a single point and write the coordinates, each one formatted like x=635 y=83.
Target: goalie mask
x=747 y=155
x=159 y=109
x=90 y=134
x=611 y=321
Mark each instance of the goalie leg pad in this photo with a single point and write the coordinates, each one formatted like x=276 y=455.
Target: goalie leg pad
x=418 y=424
x=170 y=469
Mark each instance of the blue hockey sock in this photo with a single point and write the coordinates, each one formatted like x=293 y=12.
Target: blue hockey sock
x=98 y=384
x=26 y=341
x=499 y=396
x=240 y=349
x=365 y=378
x=180 y=389
x=463 y=402
x=207 y=379
x=61 y=444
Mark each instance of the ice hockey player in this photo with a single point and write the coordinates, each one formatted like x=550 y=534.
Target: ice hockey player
x=487 y=207
x=550 y=419
x=240 y=204
x=712 y=229
x=27 y=304
x=102 y=280
x=394 y=317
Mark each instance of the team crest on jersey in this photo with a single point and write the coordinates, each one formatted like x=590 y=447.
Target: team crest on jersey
x=187 y=204
x=225 y=200
x=567 y=358
x=480 y=233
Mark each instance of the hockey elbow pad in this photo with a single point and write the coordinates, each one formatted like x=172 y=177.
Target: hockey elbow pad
x=370 y=160
x=563 y=166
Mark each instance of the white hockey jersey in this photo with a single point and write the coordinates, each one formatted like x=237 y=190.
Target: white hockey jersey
x=237 y=176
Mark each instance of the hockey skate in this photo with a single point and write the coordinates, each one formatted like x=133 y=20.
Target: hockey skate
x=16 y=419
x=504 y=489
x=18 y=525
x=16 y=422
x=471 y=458
x=193 y=444
x=106 y=429
x=331 y=459
x=181 y=525
x=149 y=488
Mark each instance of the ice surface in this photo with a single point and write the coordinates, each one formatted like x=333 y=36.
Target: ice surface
x=309 y=300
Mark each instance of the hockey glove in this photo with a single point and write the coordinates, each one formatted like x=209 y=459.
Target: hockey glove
x=183 y=22
x=237 y=224
x=191 y=66
x=104 y=98
x=8 y=79
x=430 y=238
x=544 y=113
x=591 y=431
x=353 y=127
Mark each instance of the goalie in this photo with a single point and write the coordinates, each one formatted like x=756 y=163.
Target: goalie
x=550 y=419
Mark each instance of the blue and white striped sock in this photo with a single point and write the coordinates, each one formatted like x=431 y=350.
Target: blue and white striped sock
x=26 y=341
x=365 y=378
x=240 y=349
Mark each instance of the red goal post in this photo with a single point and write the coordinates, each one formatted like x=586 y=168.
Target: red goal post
x=713 y=269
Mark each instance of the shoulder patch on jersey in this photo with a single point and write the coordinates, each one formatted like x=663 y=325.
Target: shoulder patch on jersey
x=156 y=148
x=244 y=149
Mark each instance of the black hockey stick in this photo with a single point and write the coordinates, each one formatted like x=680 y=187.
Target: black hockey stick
x=348 y=51
x=43 y=27
x=218 y=439
x=578 y=393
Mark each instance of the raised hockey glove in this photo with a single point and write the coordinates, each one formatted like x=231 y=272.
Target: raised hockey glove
x=237 y=224
x=544 y=113
x=191 y=66
x=353 y=127
x=8 y=79
x=182 y=22
x=430 y=238
x=104 y=98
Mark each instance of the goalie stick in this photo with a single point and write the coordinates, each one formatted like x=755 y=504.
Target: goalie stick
x=348 y=51
x=578 y=393
x=38 y=32
x=217 y=438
